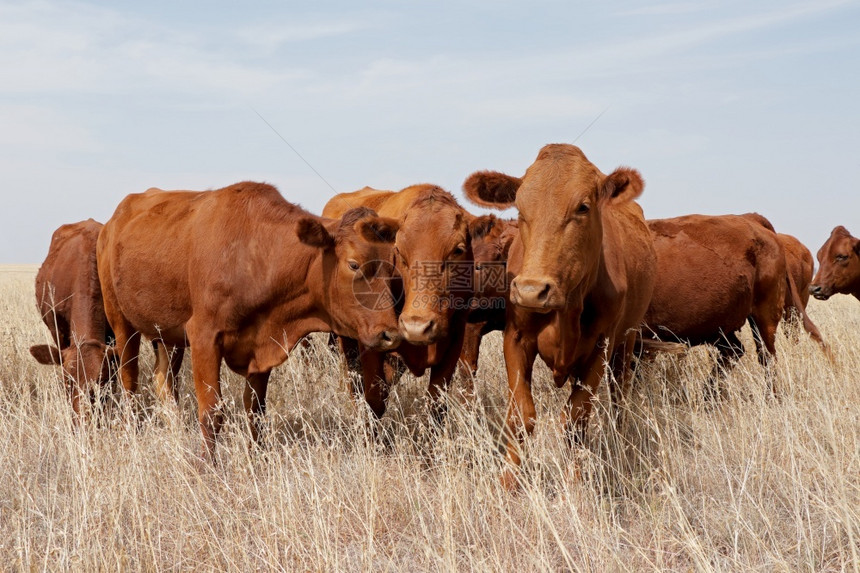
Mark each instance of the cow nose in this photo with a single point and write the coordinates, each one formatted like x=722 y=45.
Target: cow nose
x=820 y=292
x=389 y=339
x=417 y=330
x=533 y=293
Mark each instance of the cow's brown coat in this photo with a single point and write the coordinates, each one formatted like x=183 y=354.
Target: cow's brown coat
x=238 y=274
x=434 y=241
x=714 y=274
x=69 y=300
x=582 y=268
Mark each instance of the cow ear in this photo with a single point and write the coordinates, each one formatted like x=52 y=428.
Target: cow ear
x=45 y=354
x=856 y=244
x=491 y=189
x=482 y=226
x=623 y=184
x=839 y=231
x=378 y=229
x=312 y=232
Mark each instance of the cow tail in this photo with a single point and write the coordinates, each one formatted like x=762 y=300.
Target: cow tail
x=808 y=325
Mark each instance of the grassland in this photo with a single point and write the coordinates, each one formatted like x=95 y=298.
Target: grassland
x=750 y=484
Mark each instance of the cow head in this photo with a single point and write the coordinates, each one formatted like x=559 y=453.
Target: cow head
x=839 y=266
x=559 y=200
x=434 y=256
x=358 y=273
x=490 y=245
x=84 y=363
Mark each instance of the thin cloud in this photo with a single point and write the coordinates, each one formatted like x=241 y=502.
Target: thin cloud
x=270 y=37
x=668 y=9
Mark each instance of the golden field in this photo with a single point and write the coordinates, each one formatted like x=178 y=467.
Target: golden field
x=753 y=483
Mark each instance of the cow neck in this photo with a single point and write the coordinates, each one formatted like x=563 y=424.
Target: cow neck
x=296 y=308
x=87 y=317
x=568 y=321
x=316 y=316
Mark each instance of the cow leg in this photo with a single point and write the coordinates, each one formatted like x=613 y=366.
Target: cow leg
x=129 y=345
x=375 y=385
x=128 y=349
x=372 y=381
x=764 y=333
x=352 y=355
x=206 y=366
x=468 y=364
x=441 y=375
x=577 y=411
x=520 y=418
x=729 y=351
x=167 y=365
x=126 y=342
x=622 y=374
x=176 y=357
x=254 y=399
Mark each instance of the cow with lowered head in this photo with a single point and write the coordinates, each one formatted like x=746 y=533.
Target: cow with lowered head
x=583 y=269
x=239 y=275
x=69 y=298
x=434 y=258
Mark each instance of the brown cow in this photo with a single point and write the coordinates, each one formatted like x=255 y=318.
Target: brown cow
x=491 y=258
x=69 y=299
x=838 y=266
x=714 y=274
x=69 y=296
x=584 y=267
x=800 y=266
x=240 y=275
x=434 y=257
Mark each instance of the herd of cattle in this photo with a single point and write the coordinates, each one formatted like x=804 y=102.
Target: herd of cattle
x=580 y=278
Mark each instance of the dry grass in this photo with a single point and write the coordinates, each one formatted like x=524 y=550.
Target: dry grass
x=753 y=483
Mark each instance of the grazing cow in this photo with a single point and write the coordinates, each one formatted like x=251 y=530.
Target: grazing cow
x=69 y=296
x=714 y=274
x=69 y=299
x=838 y=266
x=239 y=275
x=434 y=257
x=491 y=259
x=800 y=266
x=583 y=268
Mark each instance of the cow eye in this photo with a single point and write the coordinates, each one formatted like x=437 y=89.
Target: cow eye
x=479 y=267
x=583 y=209
x=459 y=250
x=353 y=264
x=841 y=258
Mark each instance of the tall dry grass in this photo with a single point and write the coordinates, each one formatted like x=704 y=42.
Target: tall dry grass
x=753 y=483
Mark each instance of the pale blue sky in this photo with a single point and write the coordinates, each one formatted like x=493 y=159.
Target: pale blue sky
x=725 y=107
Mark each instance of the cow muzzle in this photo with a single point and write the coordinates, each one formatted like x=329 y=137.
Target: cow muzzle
x=419 y=330
x=541 y=294
x=387 y=339
x=820 y=292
